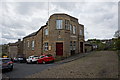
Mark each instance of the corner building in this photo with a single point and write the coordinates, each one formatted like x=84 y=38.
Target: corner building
x=62 y=36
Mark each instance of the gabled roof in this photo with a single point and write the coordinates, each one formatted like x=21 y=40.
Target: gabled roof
x=15 y=44
x=34 y=33
x=12 y=44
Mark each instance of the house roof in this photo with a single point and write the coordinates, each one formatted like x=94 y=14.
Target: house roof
x=88 y=44
x=81 y=25
x=15 y=44
x=34 y=33
x=12 y=44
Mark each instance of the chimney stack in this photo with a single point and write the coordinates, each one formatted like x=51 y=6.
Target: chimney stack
x=19 y=40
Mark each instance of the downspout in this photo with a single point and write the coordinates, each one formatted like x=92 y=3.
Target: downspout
x=42 y=43
x=78 y=39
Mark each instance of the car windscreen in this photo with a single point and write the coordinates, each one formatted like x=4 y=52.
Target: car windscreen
x=42 y=56
x=6 y=60
x=35 y=56
x=49 y=55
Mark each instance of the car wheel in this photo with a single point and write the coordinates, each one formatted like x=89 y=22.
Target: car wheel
x=43 y=62
x=37 y=62
x=31 y=61
x=27 y=62
x=53 y=61
x=11 y=68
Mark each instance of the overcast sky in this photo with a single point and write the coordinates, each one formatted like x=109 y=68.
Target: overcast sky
x=19 y=19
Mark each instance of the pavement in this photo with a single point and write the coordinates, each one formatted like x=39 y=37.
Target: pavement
x=72 y=58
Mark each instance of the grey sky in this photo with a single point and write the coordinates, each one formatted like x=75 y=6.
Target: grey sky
x=19 y=19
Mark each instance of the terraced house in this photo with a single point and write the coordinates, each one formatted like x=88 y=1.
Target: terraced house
x=61 y=36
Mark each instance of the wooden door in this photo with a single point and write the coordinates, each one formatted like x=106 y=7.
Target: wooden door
x=59 y=49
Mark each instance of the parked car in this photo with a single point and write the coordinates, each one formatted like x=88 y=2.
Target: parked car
x=45 y=58
x=32 y=59
x=21 y=59
x=6 y=64
x=15 y=59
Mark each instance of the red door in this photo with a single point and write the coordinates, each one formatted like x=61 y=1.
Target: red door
x=59 y=49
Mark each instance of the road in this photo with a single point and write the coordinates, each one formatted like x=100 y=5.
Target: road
x=99 y=64
x=22 y=70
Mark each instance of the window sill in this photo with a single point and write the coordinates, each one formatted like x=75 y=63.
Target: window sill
x=59 y=29
x=45 y=50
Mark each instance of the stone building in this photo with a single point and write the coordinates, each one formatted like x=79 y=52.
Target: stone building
x=88 y=47
x=15 y=49
x=61 y=36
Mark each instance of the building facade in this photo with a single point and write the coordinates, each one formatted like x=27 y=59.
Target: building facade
x=15 y=49
x=61 y=36
x=88 y=47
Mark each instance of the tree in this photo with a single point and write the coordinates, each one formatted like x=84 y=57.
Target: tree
x=118 y=44
x=117 y=34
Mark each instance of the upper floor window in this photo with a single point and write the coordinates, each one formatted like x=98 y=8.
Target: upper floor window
x=46 y=46
x=46 y=31
x=74 y=30
x=33 y=45
x=81 y=33
x=70 y=27
x=67 y=23
x=58 y=24
x=28 y=43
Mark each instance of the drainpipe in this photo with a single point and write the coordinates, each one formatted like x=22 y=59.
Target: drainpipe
x=78 y=42
x=42 y=43
x=78 y=39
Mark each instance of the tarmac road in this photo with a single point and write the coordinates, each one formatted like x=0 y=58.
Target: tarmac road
x=22 y=70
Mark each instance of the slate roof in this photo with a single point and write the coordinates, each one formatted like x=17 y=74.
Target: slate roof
x=34 y=33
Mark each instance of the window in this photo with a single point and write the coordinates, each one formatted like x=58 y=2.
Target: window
x=46 y=46
x=74 y=30
x=70 y=45
x=46 y=31
x=28 y=44
x=74 y=45
x=33 y=45
x=70 y=27
x=81 y=32
x=67 y=24
x=58 y=24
